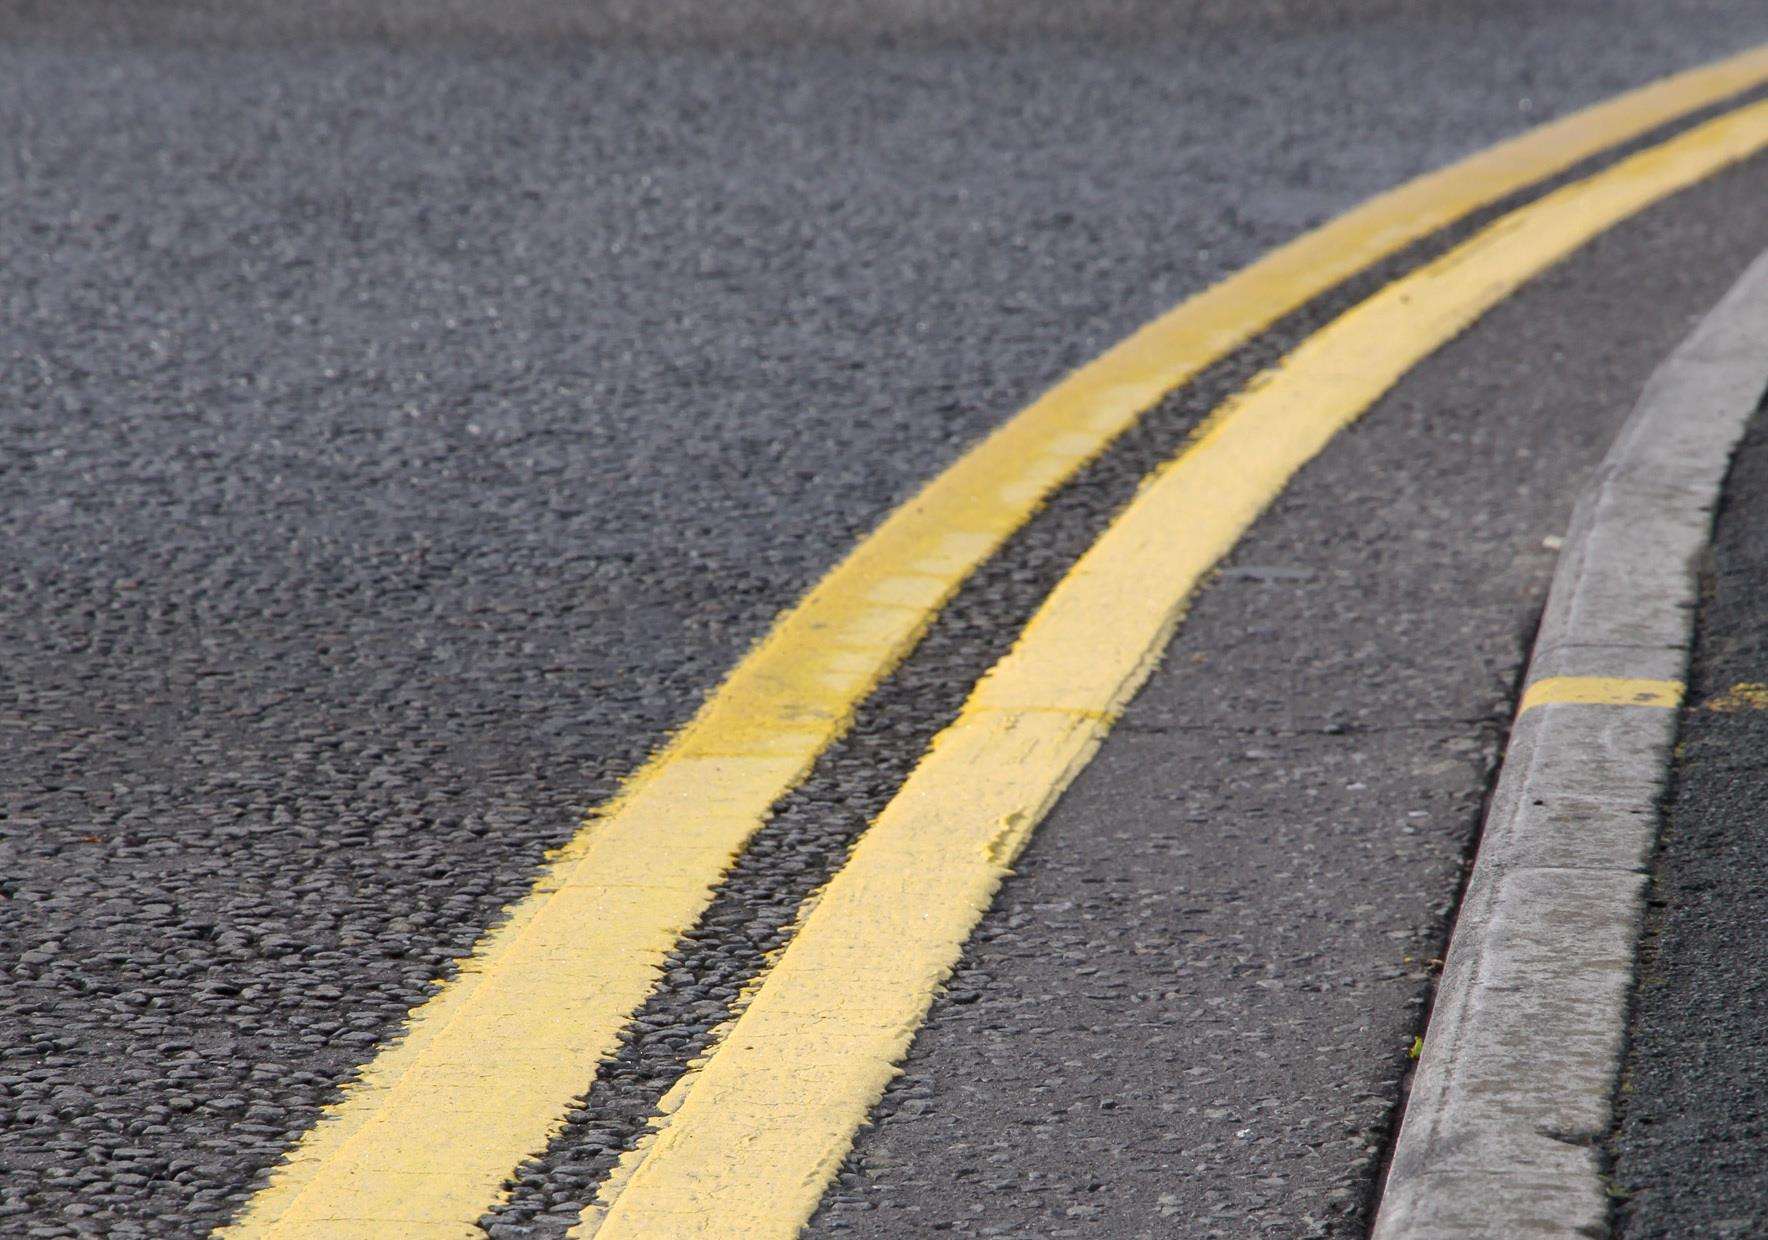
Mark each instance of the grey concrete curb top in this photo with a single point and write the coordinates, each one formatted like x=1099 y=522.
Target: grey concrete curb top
x=1515 y=1085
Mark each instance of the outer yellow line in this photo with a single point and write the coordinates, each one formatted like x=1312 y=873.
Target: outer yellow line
x=485 y=1070
x=1601 y=691
x=766 y=1123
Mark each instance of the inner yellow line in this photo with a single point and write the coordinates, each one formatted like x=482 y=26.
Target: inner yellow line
x=764 y=1126
x=484 y=1071
x=1601 y=691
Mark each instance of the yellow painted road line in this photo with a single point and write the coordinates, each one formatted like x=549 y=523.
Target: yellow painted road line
x=1601 y=691
x=1749 y=695
x=486 y=1069
x=769 y=1117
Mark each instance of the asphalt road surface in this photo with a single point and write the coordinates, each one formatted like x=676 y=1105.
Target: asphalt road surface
x=407 y=415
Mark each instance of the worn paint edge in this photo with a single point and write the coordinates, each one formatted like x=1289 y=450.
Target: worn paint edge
x=1515 y=1084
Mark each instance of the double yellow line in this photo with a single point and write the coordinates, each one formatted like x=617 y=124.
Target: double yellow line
x=422 y=1143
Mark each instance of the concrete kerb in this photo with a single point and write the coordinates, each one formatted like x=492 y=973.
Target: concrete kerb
x=1515 y=1084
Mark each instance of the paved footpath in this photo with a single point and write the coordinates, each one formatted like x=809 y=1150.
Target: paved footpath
x=420 y=429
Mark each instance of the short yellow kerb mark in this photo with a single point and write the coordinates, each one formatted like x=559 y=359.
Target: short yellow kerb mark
x=485 y=1070
x=763 y=1127
x=1601 y=691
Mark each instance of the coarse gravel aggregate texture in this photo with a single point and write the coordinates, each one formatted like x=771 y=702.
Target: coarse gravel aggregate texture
x=400 y=440
x=1687 y=1145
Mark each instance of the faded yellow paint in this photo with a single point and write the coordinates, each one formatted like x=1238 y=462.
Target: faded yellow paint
x=763 y=1128
x=1601 y=691
x=484 y=1071
x=1749 y=695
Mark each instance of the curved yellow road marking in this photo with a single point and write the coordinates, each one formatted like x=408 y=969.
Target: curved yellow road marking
x=486 y=1069
x=1601 y=691
x=765 y=1124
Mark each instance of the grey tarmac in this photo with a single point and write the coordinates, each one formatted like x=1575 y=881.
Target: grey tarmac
x=401 y=434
